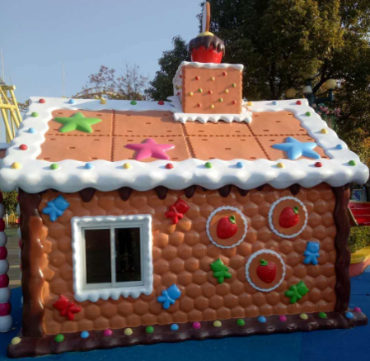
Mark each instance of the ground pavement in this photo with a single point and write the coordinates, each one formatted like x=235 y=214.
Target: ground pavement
x=308 y=346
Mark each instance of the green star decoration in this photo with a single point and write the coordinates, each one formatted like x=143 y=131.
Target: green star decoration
x=77 y=122
x=296 y=292
x=220 y=271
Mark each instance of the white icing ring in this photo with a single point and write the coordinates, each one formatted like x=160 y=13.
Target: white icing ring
x=271 y=212
x=252 y=257
x=242 y=217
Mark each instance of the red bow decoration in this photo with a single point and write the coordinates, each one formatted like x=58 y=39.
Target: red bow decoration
x=66 y=308
x=177 y=211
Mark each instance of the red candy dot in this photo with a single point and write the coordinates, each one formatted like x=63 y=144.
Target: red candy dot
x=198 y=105
x=224 y=73
x=108 y=332
x=357 y=309
x=23 y=147
x=298 y=102
x=3 y=253
x=209 y=91
x=318 y=164
x=5 y=309
x=161 y=102
x=234 y=102
x=197 y=77
x=169 y=166
x=42 y=101
x=4 y=281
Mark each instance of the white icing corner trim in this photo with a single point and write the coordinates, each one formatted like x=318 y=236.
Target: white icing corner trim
x=94 y=292
x=180 y=116
x=252 y=257
x=236 y=210
x=271 y=212
x=35 y=175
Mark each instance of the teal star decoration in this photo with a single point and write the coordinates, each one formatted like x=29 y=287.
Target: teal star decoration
x=295 y=149
x=220 y=271
x=296 y=292
x=77 y=122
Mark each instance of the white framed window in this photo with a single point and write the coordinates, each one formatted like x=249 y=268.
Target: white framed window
x=112 y=257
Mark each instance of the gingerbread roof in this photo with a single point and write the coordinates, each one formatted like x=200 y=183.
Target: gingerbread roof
x=142 y=145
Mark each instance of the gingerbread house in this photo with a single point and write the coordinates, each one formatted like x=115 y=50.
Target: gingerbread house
x=203 y=216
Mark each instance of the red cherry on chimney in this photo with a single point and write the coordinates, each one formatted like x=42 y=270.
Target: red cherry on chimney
x=161 y=102
x=318 y=164
x=23 y=147
x=298 y=102
x=42 y=101
x=169 y=166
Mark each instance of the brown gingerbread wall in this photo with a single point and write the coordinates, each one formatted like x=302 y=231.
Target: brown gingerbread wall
x=182 y=254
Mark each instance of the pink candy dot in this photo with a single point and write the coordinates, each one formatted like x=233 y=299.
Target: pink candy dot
x=196 y=325
x=5 y=309
x=357 y=309
x=108 y=332
x=282 y=318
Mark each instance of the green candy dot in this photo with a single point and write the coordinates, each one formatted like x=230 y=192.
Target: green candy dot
x=149 y=329
x=54 y=166
x=59 y=338
x=352 y=162
x=208 y=165
x=308 y=114
x=322 y=315
x=34 y=114
x=234 y=85
x=240 y=322
x=133 y=102
x=220 y=100
x=200 y=90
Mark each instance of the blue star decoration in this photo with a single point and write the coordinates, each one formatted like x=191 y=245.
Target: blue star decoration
x=169 y=296
x=296 y=149
x=56 y=208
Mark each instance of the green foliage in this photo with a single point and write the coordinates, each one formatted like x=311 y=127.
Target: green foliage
x=10 y=201
x=359 y=237
x=161 y=87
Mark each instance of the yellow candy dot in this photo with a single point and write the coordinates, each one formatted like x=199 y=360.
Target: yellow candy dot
x=213 y=78
x=249 y=104
x=128 y=331
x=103 y=101
x=191 y=94
x=217 y=324
x=324 y=131
x=303 y=316
x=16 y=165
x=226 y=91
x=212 y=106
x=127 y=166
x=280 y=165
x=15 y=340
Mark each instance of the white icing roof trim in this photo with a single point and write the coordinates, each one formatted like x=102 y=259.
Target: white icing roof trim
x=36 y=175
x=245 y=116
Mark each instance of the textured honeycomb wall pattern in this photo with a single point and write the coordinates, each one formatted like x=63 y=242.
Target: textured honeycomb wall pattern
x=182 y=254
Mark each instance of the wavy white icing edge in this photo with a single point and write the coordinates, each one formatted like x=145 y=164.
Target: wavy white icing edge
x=36 y=175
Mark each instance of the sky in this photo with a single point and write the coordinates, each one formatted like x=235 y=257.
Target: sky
x=37 y=36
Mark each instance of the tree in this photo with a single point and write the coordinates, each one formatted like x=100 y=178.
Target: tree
x=161 y=86
x=129 y=85
x=10 y=201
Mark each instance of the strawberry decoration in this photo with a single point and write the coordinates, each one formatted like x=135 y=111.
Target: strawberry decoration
x=289 y=217
x=227 y=227
x=66 y=308
x=266 y=271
